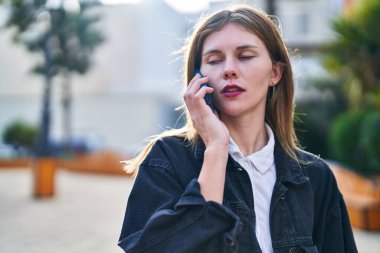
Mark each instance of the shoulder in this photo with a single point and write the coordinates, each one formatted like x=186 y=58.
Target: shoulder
x=164 y=148
x=173 y=155
x=172 y=142
x=313 y=165
x=321 y=176
x=170 y=152
x=168 y=147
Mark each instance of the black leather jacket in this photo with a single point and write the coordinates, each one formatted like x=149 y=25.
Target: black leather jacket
x=167 y=213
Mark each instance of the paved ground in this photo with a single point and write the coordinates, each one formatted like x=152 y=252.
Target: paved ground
x=84 y=216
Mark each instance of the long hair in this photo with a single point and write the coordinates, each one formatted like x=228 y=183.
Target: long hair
x=280 y=108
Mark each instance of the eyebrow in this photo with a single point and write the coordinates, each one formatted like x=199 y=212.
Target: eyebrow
x=216 y=51
x=246 y=47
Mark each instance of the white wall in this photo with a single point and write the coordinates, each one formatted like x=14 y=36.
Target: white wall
x=130 y=92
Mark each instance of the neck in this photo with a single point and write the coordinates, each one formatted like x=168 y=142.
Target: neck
x=249 y=133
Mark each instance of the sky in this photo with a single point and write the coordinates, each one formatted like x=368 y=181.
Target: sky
x=187 y=6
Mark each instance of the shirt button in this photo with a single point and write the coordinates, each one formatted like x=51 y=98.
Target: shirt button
x=239 y=169
x=240 y=228
x=230 y=241
x=293 y=250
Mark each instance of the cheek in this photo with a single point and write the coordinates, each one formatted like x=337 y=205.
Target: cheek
x=208 y=70
x=260 y=74
x=213 y=77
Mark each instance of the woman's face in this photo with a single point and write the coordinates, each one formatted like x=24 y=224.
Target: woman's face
x=239 y=69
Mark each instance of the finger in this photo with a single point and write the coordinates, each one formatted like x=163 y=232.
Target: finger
x=197 y=84
x=196 y=77
x=209 y=89
x=193 y=81
x=199 y=100
x=194 y=88
x=204 y=90
x=188 y=92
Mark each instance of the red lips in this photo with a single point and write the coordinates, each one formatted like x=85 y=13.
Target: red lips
x=232 y=90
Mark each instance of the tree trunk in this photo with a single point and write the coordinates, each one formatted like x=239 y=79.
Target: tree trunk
x=66 y=112
x=271 y=7
x=44 y=166
x=43 y=148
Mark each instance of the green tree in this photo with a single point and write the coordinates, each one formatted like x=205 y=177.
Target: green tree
x=63 y=32
x=20 y=135
x=355 y=54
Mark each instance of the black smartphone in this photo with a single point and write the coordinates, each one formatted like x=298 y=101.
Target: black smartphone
x=207 y=97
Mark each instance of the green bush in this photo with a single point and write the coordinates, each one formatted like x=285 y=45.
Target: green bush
x=354 y=141
x=312 y=127
x=354 y=54
x=369 y=141
x=20 y=134
x=314 y=116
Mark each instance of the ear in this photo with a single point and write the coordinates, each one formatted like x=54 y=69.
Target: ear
x=277 y=70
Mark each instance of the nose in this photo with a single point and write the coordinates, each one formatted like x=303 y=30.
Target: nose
x=230 y=69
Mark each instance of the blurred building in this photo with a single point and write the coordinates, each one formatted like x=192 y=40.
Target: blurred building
x=136 y=81
x=306 y=29
x=130 y=92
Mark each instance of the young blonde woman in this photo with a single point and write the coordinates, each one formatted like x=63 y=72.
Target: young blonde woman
x=234 y=180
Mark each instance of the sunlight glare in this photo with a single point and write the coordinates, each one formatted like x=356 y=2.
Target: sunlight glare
x=188 y=6
x=115 y=2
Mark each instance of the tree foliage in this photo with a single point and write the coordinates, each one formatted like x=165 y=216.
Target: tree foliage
x=20 y=134
x=64 y=33
x=354 y=141
x=355 y=54
x=72 y=35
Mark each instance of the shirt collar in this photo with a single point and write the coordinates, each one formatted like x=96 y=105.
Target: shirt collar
x=287 y=169
x=262 y=159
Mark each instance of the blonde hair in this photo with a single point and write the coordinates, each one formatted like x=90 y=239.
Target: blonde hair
x=280 y=110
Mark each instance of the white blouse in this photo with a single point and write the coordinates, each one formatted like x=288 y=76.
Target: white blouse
x=261 y=169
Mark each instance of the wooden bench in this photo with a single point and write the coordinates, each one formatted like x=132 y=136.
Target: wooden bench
x=105 y=162
x=362 y=197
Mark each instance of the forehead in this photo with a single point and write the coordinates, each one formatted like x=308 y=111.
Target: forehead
x=231 y=35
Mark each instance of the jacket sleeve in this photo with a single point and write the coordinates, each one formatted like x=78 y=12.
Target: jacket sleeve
x=332 y=229
x=162 y=215
x=338 y=232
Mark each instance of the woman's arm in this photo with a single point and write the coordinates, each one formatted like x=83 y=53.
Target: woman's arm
x=338 y=236
x=213 y=173
x=332 y=228
x=163 y=216
x=214 y=134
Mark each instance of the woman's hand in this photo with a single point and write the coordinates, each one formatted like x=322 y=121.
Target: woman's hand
x=215 y=135
x=209 y=127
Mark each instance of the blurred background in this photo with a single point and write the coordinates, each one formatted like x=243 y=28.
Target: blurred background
x=83 y=83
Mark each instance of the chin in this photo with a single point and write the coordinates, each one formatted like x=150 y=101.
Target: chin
x=231 y=112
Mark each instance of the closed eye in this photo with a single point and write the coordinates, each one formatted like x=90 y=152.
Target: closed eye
x=214 y=59
x=245 y=54
x=213 y=62
x=246 y=57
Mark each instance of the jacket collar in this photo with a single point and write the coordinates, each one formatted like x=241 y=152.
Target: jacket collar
x=288 y=170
